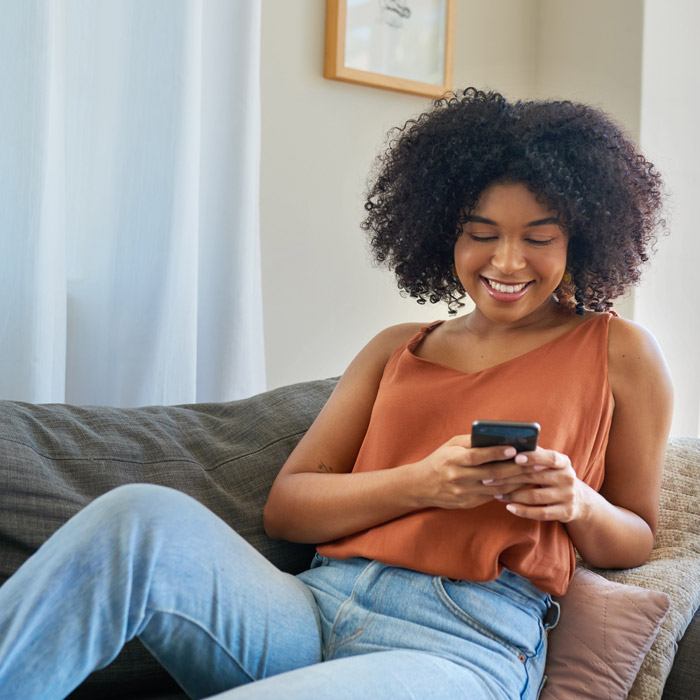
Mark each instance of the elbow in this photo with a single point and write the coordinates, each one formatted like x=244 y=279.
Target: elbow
x=271 y=523
x=641 y=548
x=632 y=553
x=646 y=549
x=277 y=517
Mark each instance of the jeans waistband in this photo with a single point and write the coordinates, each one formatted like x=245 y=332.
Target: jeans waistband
x=508 y=583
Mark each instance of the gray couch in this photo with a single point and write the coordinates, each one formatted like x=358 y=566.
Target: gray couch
x=54 y=459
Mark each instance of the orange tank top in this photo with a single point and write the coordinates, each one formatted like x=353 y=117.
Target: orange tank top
x=420 y=404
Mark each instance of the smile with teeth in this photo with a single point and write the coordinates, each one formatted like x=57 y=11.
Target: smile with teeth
x=505 y=288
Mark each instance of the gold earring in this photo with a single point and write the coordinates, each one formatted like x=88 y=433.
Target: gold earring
x=566 y=292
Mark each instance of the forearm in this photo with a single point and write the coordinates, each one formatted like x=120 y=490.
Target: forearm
x=608 y=536
x=319 y=507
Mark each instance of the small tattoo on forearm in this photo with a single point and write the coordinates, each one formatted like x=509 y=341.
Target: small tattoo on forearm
x=324 y=468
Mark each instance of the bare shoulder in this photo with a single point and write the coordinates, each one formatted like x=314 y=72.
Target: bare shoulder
x=400 y=333
x=366 y=369
x=630 y=336
x=630 y=346
x=633 y=354
x=387 y=341
x=335 y=436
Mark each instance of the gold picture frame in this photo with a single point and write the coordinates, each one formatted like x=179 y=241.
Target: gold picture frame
x=402 y=45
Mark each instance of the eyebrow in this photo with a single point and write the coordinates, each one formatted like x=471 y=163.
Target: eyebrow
x=537 y=222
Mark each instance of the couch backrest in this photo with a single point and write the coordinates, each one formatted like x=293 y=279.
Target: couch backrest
x=54 y=459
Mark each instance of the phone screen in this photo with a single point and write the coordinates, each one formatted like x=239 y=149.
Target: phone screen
x=521 y=435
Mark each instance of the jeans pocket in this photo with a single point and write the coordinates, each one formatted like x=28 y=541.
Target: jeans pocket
x=551 y=619
x=492 y=615
x=318 y=560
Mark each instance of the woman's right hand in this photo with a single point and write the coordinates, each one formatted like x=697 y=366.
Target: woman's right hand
x=456 y=475
x=317 y=497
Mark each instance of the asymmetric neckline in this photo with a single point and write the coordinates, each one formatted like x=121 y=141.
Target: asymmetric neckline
x=417 y=339
x=420 y=404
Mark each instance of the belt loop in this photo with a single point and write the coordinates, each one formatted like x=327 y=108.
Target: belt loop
x=551 y=617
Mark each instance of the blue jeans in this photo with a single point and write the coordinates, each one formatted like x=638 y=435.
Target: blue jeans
x=149 y=562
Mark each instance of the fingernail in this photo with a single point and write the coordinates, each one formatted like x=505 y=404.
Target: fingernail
x=538 y=468
x=486 y=482
x=511 y=508
x=521 y=459
x=499 y=496
x=509 y=451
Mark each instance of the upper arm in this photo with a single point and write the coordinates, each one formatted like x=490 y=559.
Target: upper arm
x=334 y=439
x=643 y=395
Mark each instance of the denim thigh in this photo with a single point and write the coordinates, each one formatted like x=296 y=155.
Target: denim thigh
x=495 y=629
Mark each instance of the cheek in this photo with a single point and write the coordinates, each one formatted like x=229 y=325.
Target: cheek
x=466 y=255
x=459 y=248
x=560 y=264
x=553 y=264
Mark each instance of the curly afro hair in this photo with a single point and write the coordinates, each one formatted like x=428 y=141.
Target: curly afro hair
x=571 y=156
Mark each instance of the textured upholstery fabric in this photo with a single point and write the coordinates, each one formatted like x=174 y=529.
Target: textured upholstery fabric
x=682 y=682
x=54 y=459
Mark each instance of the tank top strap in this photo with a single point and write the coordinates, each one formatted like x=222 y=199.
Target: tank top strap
x=415 y=341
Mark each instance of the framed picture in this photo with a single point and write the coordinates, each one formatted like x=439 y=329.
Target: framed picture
x=403 y=45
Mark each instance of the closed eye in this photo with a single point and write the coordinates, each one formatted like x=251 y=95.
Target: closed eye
x=539 y=242
x=482 y=238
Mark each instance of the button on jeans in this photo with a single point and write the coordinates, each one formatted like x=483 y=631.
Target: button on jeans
x=149 y=562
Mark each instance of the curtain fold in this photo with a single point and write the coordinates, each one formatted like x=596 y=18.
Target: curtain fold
x=129 y=182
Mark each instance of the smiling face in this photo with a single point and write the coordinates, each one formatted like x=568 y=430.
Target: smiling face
x=511 y=255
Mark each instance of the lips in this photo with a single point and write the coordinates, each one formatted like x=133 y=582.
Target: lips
x=502 y=291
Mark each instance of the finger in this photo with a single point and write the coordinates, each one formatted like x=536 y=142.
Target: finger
x=460 y=441
x=538 y=496
x=533 y=476
x=478 y=456
x=543 y=459
x=550 y=512
x=508 y=485
x=506 y=473
x=503 y=492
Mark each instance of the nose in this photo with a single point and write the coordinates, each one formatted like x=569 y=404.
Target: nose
x=508 y=257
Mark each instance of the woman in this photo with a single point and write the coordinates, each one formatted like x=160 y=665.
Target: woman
x=439 y=558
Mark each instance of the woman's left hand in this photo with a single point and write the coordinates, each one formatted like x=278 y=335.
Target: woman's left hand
x=555 y=492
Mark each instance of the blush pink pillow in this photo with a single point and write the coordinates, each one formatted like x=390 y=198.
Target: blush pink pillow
x=604 y=633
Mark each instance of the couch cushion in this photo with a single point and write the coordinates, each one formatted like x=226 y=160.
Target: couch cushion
x=674 y=565
x=605 y=631
x=54 y=459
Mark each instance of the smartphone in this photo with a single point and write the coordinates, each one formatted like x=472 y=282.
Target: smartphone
x=523 y=436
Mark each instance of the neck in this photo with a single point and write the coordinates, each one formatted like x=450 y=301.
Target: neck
x=548 y=315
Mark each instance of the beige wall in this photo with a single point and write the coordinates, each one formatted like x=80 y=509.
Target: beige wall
x=322 y=298
x=668 y=302
x=592 y=52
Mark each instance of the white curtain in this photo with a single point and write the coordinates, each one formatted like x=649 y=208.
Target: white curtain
x=129 y=183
